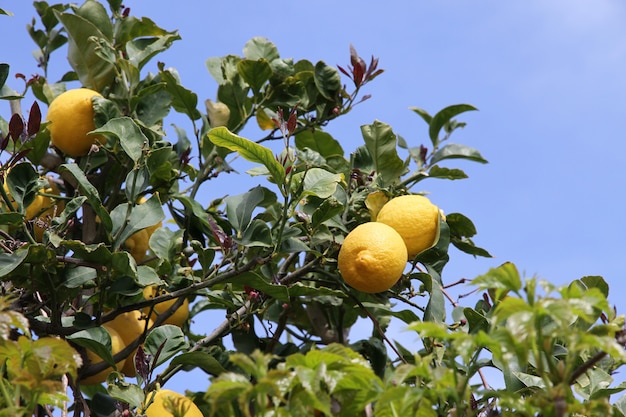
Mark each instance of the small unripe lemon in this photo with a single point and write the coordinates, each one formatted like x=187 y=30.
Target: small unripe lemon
x=372 y=257
x=71 y=117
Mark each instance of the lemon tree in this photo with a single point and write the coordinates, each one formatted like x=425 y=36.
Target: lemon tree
x=301 y=275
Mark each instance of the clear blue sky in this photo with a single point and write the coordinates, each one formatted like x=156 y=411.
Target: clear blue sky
x=548 y=76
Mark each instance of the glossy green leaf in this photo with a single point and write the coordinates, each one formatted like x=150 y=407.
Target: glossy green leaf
x=10 y=261
x=95 y=13
x=183 y=100
x=202 y=360
x=4 y=73
x=166 y=339
x=318 y=141
x=455 y=151
x=446 y=173
x=444 y=117
x=89 y=191
x=96 y=339
x=23 y=184
x=422 y=113
x=131 y=394
x=255 y=73
x=503 y=277
x=257 y=233
x=460 y=225
x=93 y=72
x=381 y=144
x=318 y=182
x=239 y=208
x=249 y=150
x=78 y=276
x=141 y=50
x=141 y=216
x=327 y=80
x=260 y=48
x=131 y=137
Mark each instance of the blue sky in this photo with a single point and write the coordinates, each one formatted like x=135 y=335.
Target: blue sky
x=548 y=77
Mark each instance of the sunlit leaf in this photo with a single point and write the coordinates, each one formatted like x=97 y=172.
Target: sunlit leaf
x=249 y=150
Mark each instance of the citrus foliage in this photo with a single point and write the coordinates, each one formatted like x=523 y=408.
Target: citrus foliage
x=266 y=259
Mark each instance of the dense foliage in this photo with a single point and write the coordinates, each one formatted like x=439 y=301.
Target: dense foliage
x=266 y=259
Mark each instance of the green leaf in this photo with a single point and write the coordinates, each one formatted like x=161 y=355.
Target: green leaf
x=318 y=182
x=446 y=173
x=455 y=151
x=4 y=73
x=326 y=210
x=183 y=100
x=239 y=208
x=127 y=393
x=260 y=48
x=257 y=233
x=89 y=191
x=460 y=225
x=10 y=261
x=95 y=13
x=249 y=150
x=129 y=134
x=93 y=71
x=318 y=141
x=141 y=50
x=78 y=276
x=442 y=118
x=96 y=339
x=169 y=339
x=327 y=80
x=504 y=277
x=23 y=184
x=141 y=216
x=423 y=114
x=436 y=307
x=255 y=73
x=202 y=360
x=381 y=144
x=260 y=283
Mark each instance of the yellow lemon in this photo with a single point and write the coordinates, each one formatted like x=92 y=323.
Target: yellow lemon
x=165 y=401
x=71 y=117
x=138 y=243
x=372 y=257
x=129 y=326
x=42 y=209
x=117 y=344
x=415 y=218
x=178 y=318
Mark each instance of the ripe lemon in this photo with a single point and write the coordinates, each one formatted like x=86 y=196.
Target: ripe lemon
x=129 y=326
x=415 y=218
x=71 y=118
x=166 y=400
x=138 y=243
x=178 y=318
x=372 y=257
x=117 y=344
x=42 y=209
